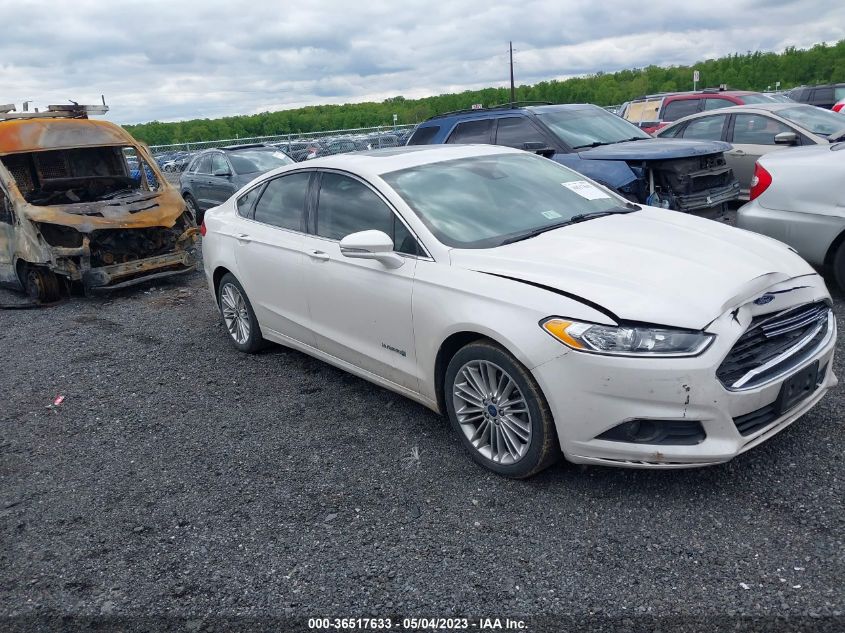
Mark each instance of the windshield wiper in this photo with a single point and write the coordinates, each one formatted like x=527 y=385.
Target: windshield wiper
x=581 y=217
x=629 y=207
x=593 y=144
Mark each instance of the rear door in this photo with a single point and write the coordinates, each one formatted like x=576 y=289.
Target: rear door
x=752 y=136
x=270 y=254
x=360 y=309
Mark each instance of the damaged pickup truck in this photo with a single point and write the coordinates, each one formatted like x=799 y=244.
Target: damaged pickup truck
x=682 y=174
x=71 y=210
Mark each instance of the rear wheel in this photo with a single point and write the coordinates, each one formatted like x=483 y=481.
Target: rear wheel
x=499 y=412
x=193 y=209
x=42 y=285
x=839 y=266
x=238 y=316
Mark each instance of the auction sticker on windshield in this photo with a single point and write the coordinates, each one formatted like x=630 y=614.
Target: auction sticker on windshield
x=552 y=215
x=585 y=189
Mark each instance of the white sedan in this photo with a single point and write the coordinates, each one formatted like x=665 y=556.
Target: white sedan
x=537 y=310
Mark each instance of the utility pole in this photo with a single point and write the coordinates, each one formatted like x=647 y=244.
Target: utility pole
x=513 y=94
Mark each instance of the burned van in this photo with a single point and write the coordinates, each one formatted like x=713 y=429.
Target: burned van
x=82 y=201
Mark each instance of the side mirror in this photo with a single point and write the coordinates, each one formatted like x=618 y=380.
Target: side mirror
x=539 y=148
x=371 y=245
x=786 y=138
x=222 y=172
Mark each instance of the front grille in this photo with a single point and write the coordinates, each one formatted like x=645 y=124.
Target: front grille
x=711 y=181
x=769 y=337
x=764 y=416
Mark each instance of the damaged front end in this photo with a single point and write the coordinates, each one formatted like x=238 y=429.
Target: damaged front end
x=83 y=215
x=691 y=184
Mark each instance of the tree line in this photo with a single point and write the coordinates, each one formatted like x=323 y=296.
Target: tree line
x=748 y=71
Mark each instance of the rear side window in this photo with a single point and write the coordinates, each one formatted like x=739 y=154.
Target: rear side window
x=823 y=95
x=472 y=132
x=283 y=202
x=423 y=135
x=708 y=128
x=347 y=206
x=675 y=110
x=516 y=131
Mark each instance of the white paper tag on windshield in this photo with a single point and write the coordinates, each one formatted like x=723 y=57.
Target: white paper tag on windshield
x=585 y=189
x=279 y=155
x=552 y=215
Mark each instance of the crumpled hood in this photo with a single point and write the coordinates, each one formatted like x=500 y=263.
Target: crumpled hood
x=653 y=266
x=654 y=149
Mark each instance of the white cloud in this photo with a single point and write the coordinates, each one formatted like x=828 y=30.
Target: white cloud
x=176 y=60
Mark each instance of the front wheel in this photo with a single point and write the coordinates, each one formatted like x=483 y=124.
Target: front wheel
x=839 y=266
x=499 y=412
x=238 y=316
x=42 y=285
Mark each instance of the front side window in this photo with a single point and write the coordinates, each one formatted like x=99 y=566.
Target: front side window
x=347 y=206
x=283 y=202
x=708 y=128
x=482 y=201
x=516 y=132
x=472 y=132
x=755 y=129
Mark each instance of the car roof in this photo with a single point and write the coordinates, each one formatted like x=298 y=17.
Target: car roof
x=373 y=163
x=762 y=107
x=503 y=111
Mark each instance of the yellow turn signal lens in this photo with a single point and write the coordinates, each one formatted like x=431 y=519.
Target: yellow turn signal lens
x=557 y=328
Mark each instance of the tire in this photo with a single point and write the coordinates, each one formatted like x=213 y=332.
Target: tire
x=193 y=209
x=42 y=285
x=514 y=441
x=238 y=316
x=839 y=266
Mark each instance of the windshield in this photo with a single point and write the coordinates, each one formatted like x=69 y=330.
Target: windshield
x=815 y=119
x=483 y=201
x=248 y=161
x=590 y=127
x=749 y=99
x=81 y=174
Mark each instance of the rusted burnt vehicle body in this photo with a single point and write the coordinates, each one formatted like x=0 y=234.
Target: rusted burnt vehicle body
x=72 y=209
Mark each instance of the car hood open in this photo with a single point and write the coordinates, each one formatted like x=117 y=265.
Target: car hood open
x=651 y=266
x=654 y=149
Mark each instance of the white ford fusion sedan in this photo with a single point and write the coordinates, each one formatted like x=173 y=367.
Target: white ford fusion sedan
x=536 y=309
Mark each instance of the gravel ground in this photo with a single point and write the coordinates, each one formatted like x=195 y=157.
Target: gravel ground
x=182 y=480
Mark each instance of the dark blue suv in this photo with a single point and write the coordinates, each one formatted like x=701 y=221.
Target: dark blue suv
x=671 y=173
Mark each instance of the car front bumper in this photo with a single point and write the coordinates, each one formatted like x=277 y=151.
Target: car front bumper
x=590 y=394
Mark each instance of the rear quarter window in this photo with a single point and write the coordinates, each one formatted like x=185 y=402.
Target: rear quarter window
x=424 y=135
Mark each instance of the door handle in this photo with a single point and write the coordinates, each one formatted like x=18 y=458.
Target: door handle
x=243 y=237
x=320 y=255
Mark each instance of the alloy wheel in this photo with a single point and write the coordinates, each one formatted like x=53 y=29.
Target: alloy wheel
x=492 y=412
x=235 y=313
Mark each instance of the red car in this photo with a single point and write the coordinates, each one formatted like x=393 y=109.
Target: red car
x=654 y=112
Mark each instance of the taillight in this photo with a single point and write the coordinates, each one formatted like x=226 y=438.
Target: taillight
x=760 y=182
x=202 y=228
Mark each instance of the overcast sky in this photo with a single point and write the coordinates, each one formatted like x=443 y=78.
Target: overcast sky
x=182 y=59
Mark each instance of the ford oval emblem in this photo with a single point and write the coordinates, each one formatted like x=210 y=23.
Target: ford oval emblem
x=761 y=301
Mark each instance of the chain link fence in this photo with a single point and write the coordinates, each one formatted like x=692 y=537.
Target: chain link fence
x=175 y=157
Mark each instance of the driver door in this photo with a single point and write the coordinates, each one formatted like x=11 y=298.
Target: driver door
x=360 y=309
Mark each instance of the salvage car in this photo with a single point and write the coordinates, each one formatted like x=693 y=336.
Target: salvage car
x=73 y=210
x=535 y=308
x=797 y=197
x=215 y=174
x=680 y=175
x=754 y=131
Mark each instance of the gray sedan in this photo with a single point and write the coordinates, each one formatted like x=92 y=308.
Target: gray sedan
x=755 y=130
x=797 y=198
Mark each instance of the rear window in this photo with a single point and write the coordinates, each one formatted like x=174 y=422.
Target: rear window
x=423 y=135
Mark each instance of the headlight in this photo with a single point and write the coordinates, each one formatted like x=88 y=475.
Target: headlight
x=627 y=341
